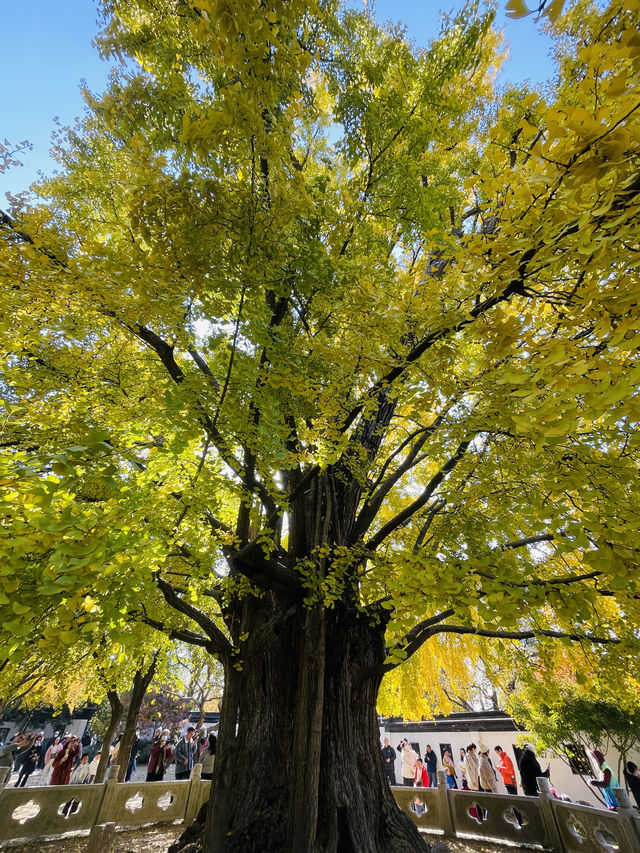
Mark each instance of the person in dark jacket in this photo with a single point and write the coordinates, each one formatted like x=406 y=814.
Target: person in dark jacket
x=431 y=760
x=159 y=757
x=530 y=770
x=14 y=751
x=632 y=778
x=131 y=766
x=185 y=753
x=388 y=754
x=30 y=762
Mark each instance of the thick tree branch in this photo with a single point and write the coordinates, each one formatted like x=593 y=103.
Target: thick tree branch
x=409 y=511
x=265 y=573
x=434 y=509
x=372 y=504
x=182 y=634
x=515 y=286
x=432 y=630
x=204 y=367
x=531 y=540
x=217 y=638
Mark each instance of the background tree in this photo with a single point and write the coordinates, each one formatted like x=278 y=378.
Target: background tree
x=322 y=354
x=202 y=679
x=571 y=722
x=164 y=709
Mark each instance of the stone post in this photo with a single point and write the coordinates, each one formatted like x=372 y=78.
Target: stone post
x=110 y=787
x=193 y=797
x=101 y=837
x=444 y=806
x=626 y=815
x=548 y=815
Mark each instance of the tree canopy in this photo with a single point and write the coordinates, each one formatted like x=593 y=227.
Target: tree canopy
x=317 y=323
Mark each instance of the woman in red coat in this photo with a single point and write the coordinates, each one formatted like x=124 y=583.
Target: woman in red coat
x=64 y=761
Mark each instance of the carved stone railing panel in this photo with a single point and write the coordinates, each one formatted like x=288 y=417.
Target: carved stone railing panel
x=422 y=805
x=585 y=829
x=514 y=819
x=150 y=802
x=54 y=810
x=204 y=792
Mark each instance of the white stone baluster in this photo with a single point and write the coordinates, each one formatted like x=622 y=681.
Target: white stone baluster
x=110 y=787
x=548 y=815
x=626 y=816
x=444 y=806
x=194 y=794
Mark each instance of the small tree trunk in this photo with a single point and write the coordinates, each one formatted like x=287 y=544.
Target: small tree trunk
x=114 y=722
x=141 y=682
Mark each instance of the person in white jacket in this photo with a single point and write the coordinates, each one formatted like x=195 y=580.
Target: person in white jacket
x=82 y=774
x=49 y=755
x=487 y=776
x=409 y=757
x=471 y=766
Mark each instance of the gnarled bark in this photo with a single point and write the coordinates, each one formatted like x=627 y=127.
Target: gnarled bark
x=303 y=772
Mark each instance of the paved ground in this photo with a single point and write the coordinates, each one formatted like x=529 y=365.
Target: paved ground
x=158 y=840
x=140 y=775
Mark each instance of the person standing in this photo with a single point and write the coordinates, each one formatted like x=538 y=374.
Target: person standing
x=409 y=757
x=159 y=757
x=93 y=766
x=82 y=774
x=530 y=771
x=131 y=766
x=632 y=778
x=64 y=761
x=431 y=761
x=463 y=769
x=420 y=775
x=471 y=765
x=388 y=754
x=208 y=755
x=49 y=755
x=29 y=762
x=507 y=771
x=487 y=779
x=608 y=782
x=12 y=752
x=185 y=751
x=448 y=764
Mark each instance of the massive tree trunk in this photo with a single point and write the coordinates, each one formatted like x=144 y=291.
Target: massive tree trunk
x=304 y=771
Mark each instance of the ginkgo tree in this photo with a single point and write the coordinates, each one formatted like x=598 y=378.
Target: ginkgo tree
x=315 y=351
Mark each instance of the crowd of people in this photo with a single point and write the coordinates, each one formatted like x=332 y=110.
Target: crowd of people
x=476 y=771
x=65 y=761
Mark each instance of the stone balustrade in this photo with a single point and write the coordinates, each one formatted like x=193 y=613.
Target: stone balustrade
x=34 y=812
x=28 y=813
x=545 y=821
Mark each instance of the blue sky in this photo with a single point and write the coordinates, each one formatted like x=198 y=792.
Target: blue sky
x=47 y=50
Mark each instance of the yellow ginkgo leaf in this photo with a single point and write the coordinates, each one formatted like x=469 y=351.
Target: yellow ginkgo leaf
x=517 y=9
x=554 y=10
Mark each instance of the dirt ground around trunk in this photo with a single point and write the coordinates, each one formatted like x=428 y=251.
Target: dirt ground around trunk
x=158 y=839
